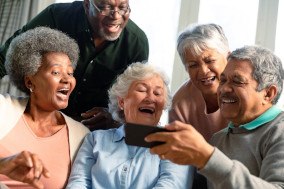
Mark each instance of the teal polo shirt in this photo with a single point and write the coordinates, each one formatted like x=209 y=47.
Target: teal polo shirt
x=266 y=117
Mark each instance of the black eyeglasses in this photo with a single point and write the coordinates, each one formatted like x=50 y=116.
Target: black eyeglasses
x=108 y=11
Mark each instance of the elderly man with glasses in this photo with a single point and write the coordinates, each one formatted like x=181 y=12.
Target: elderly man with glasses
x=108 y=40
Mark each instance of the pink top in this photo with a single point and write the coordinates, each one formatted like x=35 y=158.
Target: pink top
x=53 y=151
x=188 y=106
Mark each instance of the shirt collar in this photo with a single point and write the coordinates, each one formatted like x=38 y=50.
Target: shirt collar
x=267 y=116
x=119 y=134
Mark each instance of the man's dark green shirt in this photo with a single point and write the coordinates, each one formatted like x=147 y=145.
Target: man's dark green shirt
x=96 y=69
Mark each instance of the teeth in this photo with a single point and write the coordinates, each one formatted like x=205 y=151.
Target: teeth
x=63 y=89
x=228 y=101
x=207 y=79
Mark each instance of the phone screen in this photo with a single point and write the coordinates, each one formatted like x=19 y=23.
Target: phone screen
x=135 y=134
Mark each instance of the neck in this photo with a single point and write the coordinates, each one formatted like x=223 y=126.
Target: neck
x=43 y=123
x=211 y=102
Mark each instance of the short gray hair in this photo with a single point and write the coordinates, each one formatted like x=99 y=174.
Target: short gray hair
x=134 y=72
x=25 y=53
x=267 y=67
x=198 y=38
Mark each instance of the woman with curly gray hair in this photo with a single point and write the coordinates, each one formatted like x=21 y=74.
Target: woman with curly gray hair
x=40 y=62
x=104 y=160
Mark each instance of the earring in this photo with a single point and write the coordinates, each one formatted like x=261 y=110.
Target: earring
x=121 y=108
x=31 y=90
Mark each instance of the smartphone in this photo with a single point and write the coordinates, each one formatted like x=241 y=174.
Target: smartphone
x=135 y=134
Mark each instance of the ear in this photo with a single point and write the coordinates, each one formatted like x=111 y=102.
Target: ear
x=270 y=93
x=120 y=102
x=28 y=82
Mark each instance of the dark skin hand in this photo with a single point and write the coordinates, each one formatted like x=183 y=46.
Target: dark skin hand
x=25 y=167
x=184 y=146
x=98 y=118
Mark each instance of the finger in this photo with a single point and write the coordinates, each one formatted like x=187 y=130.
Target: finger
x=177 y=126
x=27 y=158
x=159 y=150
x=159 y=136
x=45 y=172
x=37 y=165
x=92 y=112
x=23 y=159
x=93 y=120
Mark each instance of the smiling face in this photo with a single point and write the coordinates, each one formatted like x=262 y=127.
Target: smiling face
x=106 y=27
x=204 y=70
x=238 y=98
x=145 y=101
x=53 y=82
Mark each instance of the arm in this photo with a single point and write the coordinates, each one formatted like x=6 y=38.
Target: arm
x=81 y=175
x=231 y=174
x=98 y=118
x=174 y=176
x=25 y=167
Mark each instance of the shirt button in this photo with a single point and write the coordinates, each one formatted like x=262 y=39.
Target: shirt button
x=84 y=79
x=91 y=62
x=79 y=92
x=125 y=169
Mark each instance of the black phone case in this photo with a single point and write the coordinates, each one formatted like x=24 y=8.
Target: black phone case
x=135 y=134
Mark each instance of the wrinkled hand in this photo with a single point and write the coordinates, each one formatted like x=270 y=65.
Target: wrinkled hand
x=25 y=167
x=183 y=146
x=98 y=118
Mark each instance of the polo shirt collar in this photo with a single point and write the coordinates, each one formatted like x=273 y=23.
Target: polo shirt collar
x=266 y=117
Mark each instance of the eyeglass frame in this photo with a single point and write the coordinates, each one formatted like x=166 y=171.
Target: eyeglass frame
x=111 y=11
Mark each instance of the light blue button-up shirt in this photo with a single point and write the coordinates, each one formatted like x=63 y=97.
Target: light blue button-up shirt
x=105 y=161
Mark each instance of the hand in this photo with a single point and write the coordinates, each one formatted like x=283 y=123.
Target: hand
x=25 y=167
x=98 y=118
x=183 y=146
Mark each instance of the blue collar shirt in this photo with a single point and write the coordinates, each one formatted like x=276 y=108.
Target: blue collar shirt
x=106 y=161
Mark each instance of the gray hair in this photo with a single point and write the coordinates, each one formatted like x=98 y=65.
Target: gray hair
x=267 y=67
x=134 y=72
x=198 y=38
x=25 y=53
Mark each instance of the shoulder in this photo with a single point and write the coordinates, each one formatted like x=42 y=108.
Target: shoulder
x=58 y=14
x=187 y=94
x=11 y=109
x=275 y=128
x=63 y=7
x=103 y=134
x=11 y=106
x=75 y=126
x=135 y=31
x=218 y=136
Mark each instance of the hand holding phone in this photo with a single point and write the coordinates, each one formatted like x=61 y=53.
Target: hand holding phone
x=135 y=134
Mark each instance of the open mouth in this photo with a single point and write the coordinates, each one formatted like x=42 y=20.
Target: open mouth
x=209 y=80
x=113 y=27
x=147 y=110
x=63 y=91
x=227 y=100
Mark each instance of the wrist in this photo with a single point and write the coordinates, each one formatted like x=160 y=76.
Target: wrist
x=205 y=156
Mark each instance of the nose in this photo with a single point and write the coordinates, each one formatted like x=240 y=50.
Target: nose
x=115 y=13
x=150 y=98
x=225 y=88
x=65 y=78
x=205 y=69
